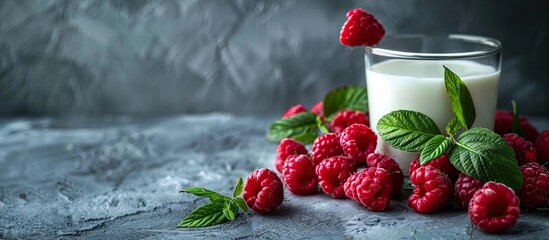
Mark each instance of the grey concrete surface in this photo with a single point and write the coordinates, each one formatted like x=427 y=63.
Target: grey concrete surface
x=118 y=178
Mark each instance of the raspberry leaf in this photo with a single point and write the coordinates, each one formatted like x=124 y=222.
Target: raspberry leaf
x=351 y=97
x=213 y=196
x=205 y=215
x=453 y=127
x=434 y=148
x=321 y=125
x=231 y=210
x=460 y=98
x=302 y=127
x=241 y=203
x=517 y=126
x=238 y=188
x=407 y=130
x=485 y=155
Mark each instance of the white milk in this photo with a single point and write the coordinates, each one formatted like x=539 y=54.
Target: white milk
x=419 y=86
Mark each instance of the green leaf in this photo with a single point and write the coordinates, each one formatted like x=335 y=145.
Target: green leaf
x=460 y=98
x=434 y=148
x=238 y=188
x=517 y=126
x=485 y=155
x=229 y=214
x=205 y=193
x=242 y=204
x=301 y=127
x=321 y=125
x=351 y=97
x=206 y=215
x=407 y=130
x=453 y=127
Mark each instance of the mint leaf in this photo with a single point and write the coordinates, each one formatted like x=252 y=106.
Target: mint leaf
x=351 y=97
x=238 y=188
x=301 y=127
x=460 y=98
x=206 y=215
x=241 y=203
x=228 y=211
x=434 y=148
x=205 y=193
x=453 y=127
x=321 y=125
x=407 y=130
x=485 y=155
x=517 y=126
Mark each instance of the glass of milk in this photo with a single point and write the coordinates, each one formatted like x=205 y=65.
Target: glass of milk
x=406 y=72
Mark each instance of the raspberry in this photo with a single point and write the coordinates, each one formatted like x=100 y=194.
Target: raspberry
x=318 y=109
x=332 y=174
x=465 y=187
x=542 y=147
x=361 y=28
x=263 y=191
x=345 y=118
x=294 y=110
x=535 y=186
x=287 y=147
x=389 y=164
x=299 y=175
x=504 y=125
x=494 y=208
x=441 y=163
x=370 y=187
x=524 y=151
x=432 y=189
x=324 y=147
x=358 y=141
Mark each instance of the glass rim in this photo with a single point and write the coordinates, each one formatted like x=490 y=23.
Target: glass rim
x=493 y=44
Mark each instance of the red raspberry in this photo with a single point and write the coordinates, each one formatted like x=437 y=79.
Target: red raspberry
x=389 y=164
x=441 y=163
x=504 y=125
x=263 y=191
x=466 y=186
x=542 y=147
x=294 y=110
x=432 y=189
x=324 y=147
x=287 y=147
x=524 y=150
x=361 y=28
x=299 y=175
x=494 y=208
x=535 y=186
x=345 y=118
x=332 y=174
x=358 y=141
x=370 y=187
x=318 y=109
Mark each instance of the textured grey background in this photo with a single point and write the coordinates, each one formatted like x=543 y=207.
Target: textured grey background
x=241 y=56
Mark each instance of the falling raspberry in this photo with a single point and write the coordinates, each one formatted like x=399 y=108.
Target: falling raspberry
x=332 y=174
x=494 y=208
x=263 y=191
x=287 y=147
x=361 y=28
x=299 y=175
